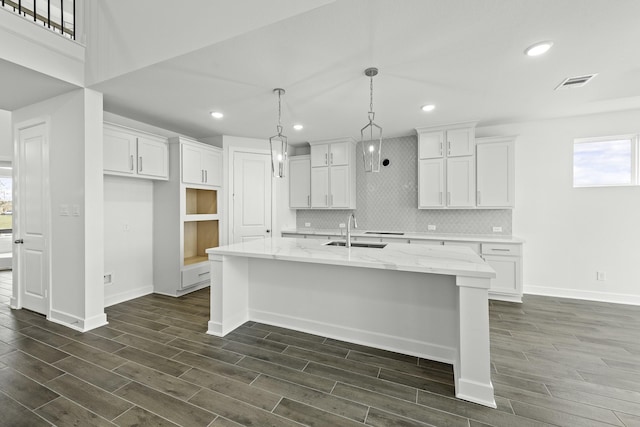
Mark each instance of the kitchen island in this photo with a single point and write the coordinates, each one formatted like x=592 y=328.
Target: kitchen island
x=426 y=301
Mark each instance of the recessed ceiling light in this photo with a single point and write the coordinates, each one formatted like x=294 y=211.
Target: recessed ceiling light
x=538 y=48
x=428 y=107
x=217 y=115
x=298 y=127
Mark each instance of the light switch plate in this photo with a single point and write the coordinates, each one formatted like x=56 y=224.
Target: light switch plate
x=431 y=227
x=307 y=224
x=497 y=229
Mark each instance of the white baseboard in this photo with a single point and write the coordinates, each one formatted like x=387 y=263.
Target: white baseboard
x=358 y=336
x=127 y=295
x=584 y=295
x=186 y=291
x=75 y=322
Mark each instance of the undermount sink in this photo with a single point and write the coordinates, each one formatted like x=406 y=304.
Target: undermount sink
x=391 y=233
x=356 y=244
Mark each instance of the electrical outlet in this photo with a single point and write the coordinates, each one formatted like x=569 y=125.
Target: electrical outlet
x=497 y=229
x=431 y=227
x=601 y=276
x=64 y=210
x=342 y=225
x=307 y=224
x=108 y=278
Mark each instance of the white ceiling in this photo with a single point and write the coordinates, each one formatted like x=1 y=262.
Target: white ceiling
x=465 y=56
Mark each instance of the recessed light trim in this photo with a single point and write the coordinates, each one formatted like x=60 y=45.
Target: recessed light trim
x=538 y=48
x=217 y=115
x=428 y=107
x=298 y=127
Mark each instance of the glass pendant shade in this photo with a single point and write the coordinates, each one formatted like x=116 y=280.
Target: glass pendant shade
x=278 y=144
x=371 y=134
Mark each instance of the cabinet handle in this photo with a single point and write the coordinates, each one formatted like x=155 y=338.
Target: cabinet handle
x=308 y=200
x=131 y=162
x=19 y=241
x=449 y=148
x=331 y=158
x=479 y=202
x=440 y=198
x=206 y=176
x=326 y=162
x=140 y=164
x=202 y=274
x=201 y=175
x=441 y=148
x=448 y=197
x=501 y=250
x=326 y=200
x=331 y=200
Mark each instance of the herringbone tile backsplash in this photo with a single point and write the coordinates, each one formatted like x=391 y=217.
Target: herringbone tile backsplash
x=388 y=200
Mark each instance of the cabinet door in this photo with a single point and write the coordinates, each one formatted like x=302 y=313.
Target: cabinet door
x=192 y=171
x=507 y=274
x=496 y=180
x=153 y=158
x=319 y=155
x=460 y=182
x=339 y=153
x=212 y=165
x=319 y=187
x=299 y=183
x=430 y=145
x=119 y=151
x=460 y=142
x=339 y=182
x=431 y=183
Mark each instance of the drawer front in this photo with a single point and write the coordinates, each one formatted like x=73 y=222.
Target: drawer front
x=194 y=276
x=426 y=242
x=501 y=249
x=475 y=247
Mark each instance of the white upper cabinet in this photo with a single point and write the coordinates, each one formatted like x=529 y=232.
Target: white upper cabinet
x=495 y=160
x=299 y=182
x=446 y=166
x=128 y=152
x=333 y=174
x=201 y=164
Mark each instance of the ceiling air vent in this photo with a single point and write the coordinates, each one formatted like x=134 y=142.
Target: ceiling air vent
x=578 y=81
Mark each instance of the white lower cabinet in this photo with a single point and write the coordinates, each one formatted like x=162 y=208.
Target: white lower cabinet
x=506 y=260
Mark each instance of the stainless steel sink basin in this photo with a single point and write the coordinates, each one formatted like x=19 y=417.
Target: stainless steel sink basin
x=390 y=233
x=356 y=244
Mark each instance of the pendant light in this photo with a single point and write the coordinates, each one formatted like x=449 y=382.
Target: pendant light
x=278 y=143
x=371 y=134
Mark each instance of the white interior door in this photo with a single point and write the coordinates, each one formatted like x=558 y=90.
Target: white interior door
x=251 y=196
x=32 y=212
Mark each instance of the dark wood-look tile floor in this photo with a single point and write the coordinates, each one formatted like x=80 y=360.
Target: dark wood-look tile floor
x=554 y=361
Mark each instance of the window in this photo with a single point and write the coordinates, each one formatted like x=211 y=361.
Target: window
x=607 y=161
x=6 y=199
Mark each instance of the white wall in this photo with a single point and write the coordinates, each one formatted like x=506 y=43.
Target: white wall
x=128 y=237
x=573 y=232
x=6 y=132
x=75 y=174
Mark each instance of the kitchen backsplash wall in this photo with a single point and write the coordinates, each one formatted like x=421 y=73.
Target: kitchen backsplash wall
x=388 y=200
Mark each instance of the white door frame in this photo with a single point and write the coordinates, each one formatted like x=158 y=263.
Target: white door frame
x=231 y=207
x=16 y=300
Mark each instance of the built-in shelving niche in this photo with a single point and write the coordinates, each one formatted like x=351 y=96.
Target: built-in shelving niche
x=201 y=202
x=198 y=237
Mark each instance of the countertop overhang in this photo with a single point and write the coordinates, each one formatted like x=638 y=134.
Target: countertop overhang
x=445 y=260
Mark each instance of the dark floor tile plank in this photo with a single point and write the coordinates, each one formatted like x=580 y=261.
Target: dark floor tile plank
x=223 y=422
x=288 y=374
x=251 y=394
x=91 y=373
x=253 y=332
x=568 y=393
x=39 y=350
x=206 y=350
x=475 y=412
x=336 y=362
x=98 y=342
x=399 y=407
x=91 y=397
x=607 y=380
x=555 y=417
x=310 y=416
x=24 y=390
x=158 y=363
x=266 y=355
x=308 y=345
x=195 y=336
x=157 y=380
x=140 y=331
x=217 y=367
x=379 y=418
x=629 y=420
x=139 y=417
x=435 y=365
x=6 y=348
x=538 y=367
x=175 y=410
x=96 y=356
x=238 y=411
x=317 y=399
x=154 y=347
x=256 y=342
x=13 y=323
x=366 y=382
x=522 y=384
x=106 y=332
x=138 y=321
x=64 y=412
x=7 y=335
x=16 y=415
x=285 y=331
x=446 y=389
x=30 y=366
x=372 y=351
x=47 y=337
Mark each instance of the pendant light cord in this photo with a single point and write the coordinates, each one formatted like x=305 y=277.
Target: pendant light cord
x=279 y=127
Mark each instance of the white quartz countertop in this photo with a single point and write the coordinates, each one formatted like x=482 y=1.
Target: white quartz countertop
x=448 y=260
x=486 y=238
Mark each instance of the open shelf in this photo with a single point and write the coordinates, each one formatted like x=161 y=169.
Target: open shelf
x=198 y=237
x=201 y=202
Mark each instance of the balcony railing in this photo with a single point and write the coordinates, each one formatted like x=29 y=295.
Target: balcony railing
x=57 y=15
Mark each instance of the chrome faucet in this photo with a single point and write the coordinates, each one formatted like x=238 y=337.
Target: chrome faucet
x=355 y=225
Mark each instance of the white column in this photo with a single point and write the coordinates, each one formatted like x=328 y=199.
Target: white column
x=229 y=293
x=473 y=373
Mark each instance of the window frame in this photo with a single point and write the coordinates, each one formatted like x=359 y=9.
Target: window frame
x=634 y=157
